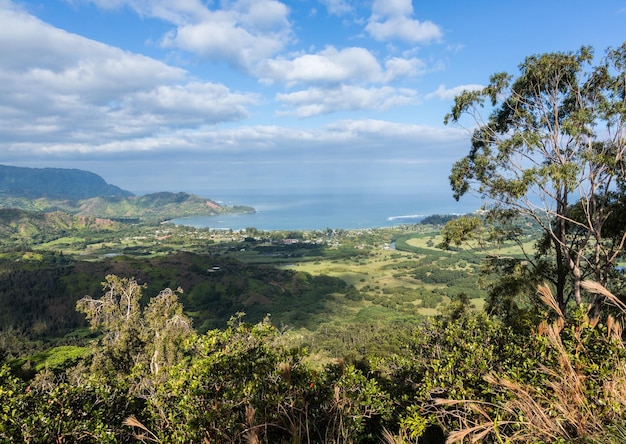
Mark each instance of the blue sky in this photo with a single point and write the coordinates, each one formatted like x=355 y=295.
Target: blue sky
x=263 y=95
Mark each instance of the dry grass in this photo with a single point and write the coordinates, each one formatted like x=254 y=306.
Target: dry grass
x=562 y=409
x=141 y=432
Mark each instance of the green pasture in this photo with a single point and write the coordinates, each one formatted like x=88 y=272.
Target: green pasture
x=66 y=241
x=398 y=281
x=429 y=241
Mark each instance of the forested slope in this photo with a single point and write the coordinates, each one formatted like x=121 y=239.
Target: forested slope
x=54 y=183
x=39 y=297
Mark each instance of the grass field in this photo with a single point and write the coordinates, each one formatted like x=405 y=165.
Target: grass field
x=385 y=277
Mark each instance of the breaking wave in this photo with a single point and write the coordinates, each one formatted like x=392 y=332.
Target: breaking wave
x=407 y=216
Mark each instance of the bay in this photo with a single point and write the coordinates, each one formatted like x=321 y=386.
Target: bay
x=301 y=212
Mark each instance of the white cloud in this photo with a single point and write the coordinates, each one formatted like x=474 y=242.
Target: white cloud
x=329 y=66
x=240 y=32
x=353 y=153
x=38 y=56
x=57 y=85
x=332 y=66
x=248 y=34
x=173 y=11
x=193 y=103
x=263 y=15
x=397 y=67
x=392 y=20
x=272 y=141
x=337 y=7
x=220 y=40
x=444 y=93
x=422 y=135
x=318 y=101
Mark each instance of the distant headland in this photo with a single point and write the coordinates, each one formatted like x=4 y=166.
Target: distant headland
x=85 y=193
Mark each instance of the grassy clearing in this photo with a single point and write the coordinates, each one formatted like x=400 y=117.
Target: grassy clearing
x=428 y=241
x=511 y=249
x=374 y=269
x=62 y=242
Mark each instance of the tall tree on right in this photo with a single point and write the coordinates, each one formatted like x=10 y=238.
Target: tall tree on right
x=550 y=144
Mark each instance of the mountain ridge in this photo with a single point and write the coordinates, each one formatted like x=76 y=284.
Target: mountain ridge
x=55 y=183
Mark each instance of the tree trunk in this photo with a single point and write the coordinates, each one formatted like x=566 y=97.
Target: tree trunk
x=561 y=250
x=561 y=276
x=576 y=273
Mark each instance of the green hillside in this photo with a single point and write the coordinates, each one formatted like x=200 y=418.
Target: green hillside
x=19 y=227
x=54 y=183
x=156 y=206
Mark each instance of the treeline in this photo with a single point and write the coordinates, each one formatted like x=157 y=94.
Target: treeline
x=438 y=219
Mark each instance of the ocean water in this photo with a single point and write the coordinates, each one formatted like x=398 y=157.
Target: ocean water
x=275 y=211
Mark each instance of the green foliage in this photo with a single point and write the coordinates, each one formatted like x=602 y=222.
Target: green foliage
x=51 y=410
x=438 y=219
x=375 y=333
x=402 y=245
x=461 y=230
x=449 y=358
x=156 y=206
x=11 y=404
x=33 y=300
x=48 y=217
x=511 y=286
x=461 y=373
x=244 y=385
x=478 y=379
x=229 y=390
x=118 y=316
x=55 y=359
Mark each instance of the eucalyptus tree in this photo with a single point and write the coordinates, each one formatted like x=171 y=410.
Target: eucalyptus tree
x=146 y=340
x=549 y=144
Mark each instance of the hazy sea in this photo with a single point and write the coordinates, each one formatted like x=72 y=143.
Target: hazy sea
x=276 y=211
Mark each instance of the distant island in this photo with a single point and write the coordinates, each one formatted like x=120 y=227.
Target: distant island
x=84 y=193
